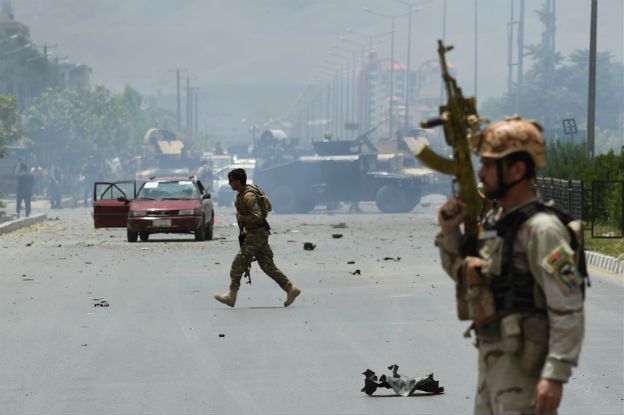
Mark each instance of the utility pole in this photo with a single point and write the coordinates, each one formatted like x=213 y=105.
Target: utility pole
x=196 y=108
x=520 y=76
x=591 y=93
x=179 y=108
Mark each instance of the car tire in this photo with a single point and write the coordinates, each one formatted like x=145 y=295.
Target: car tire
x=209 y=232
x=144 y=236
x=393 y=199
x=132 y=235
x=200 y=233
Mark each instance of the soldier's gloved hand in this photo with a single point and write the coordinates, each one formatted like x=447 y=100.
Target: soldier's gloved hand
x=451 y=214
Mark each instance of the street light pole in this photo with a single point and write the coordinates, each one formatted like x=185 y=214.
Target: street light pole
x=390 y=122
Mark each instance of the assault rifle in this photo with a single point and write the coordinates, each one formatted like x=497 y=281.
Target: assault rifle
x=461 y=123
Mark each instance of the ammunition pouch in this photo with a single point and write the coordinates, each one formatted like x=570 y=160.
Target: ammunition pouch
x=534 y=344
x=475 y=300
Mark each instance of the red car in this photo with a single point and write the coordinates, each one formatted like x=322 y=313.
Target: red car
x=161 y=205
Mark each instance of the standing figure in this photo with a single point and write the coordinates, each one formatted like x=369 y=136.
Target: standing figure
x=523 y=280
x=205 y=175
x=55 y=182
x=24 y=189
x=252 y=207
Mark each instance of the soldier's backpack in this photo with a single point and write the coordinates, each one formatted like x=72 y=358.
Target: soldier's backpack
x=263 y=200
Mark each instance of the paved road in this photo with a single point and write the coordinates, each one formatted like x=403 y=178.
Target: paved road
x=157 y=348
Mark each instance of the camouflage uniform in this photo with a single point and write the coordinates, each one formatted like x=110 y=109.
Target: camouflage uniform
x=536 y=326
x=256 y=242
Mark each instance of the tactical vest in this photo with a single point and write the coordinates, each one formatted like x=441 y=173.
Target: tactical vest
x=263 y=203
x=514 y=289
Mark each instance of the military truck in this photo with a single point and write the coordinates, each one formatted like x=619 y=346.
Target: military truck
x=340 y=171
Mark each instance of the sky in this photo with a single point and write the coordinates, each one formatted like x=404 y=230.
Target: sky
x=264 y=52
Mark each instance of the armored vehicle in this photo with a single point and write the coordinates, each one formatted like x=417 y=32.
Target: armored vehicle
x=340 y=171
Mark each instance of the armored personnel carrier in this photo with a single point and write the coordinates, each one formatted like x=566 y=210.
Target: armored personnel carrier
x=340 y=171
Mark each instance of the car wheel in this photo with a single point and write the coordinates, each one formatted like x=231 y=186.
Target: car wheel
x=392 y=199
x=209 y=232
x=132 y=236
x=144 y=236
x=200 y=233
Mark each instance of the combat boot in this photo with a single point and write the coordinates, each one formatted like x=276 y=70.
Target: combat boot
x=292 y=293
x=227 y=298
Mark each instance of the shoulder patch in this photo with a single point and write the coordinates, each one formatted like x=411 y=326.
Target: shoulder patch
x=560 y=263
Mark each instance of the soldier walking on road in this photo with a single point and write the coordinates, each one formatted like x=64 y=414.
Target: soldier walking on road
x=24 y=190
x=252 y=207
x=525 y=282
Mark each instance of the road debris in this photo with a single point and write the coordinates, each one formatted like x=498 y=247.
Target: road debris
x=389 y=258
x=308 y=246
x=340 y=225
x=336 y=235
x=350 y=262
x=402 y=385
x=356 y=272
x=221 y=335
x=100 y=303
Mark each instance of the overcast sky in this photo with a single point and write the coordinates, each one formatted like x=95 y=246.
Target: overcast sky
x=268 y=42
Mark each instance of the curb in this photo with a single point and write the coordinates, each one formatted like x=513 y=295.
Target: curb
x=16 y=224
x=605 y=262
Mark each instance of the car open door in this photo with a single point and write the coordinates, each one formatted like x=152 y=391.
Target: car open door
x=111 y=202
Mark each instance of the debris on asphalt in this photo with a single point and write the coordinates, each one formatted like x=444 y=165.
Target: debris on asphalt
x=221 y=335
x=340 y=225
x=336 y=235
x=350 y=262
x=402 y=385
x=100 y=303
x=356 y=272
x=29 y=244
x=389 y=258
x=308 y=246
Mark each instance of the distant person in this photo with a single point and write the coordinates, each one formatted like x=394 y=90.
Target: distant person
x=252 y=208
x=24 y=189
x=205 y=175
x=88 y=175
x=55 y=183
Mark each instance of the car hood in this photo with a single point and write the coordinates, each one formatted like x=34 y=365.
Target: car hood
x=164 y=204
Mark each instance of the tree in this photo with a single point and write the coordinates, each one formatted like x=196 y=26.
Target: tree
x=555 y=88
x=10 y=127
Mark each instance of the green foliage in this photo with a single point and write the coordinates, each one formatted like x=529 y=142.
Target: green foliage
x=555 y=88
x=24 y=69
x=10 y=128
x=78 y=123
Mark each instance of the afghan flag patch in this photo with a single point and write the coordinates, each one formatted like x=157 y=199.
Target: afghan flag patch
x=560 y=263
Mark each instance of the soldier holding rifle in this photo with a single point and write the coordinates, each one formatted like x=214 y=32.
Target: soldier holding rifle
x=519 y=272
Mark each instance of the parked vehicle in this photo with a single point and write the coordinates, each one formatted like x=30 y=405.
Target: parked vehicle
x=160 y=205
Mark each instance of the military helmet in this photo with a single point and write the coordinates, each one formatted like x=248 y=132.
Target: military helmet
x=512 y=135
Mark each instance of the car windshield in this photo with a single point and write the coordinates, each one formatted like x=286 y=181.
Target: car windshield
x=183 y=189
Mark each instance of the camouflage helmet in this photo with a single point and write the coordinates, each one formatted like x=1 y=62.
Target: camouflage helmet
x=512 y=135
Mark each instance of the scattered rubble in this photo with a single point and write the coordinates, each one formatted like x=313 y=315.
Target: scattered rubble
x=389 y=258
x=340 y=225
x=308 y=246
x=356 y=272
x=336 y=235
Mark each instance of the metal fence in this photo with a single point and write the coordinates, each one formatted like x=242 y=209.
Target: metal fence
x=569 y=195
x=601 y=206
